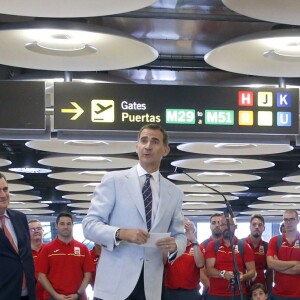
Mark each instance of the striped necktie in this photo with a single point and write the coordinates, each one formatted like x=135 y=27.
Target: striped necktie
x=147 y=195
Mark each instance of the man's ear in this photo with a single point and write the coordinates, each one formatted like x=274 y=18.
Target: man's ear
x=167 y=151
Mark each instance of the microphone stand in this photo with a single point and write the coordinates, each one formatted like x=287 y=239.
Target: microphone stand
x=236 y=279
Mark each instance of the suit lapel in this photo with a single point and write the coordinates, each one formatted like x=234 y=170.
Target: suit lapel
x=135 y=192
x=3 y=237
x=164 y=199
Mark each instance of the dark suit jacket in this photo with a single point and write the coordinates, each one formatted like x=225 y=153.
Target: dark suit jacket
x=12 y=264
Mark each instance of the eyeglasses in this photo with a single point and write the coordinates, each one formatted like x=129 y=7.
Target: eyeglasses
x=288 y=220
x=36 y=229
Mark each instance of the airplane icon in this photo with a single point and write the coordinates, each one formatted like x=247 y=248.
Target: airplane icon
x=102 y=108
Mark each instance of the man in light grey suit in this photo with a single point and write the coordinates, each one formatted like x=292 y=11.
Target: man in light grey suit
x=116 y=220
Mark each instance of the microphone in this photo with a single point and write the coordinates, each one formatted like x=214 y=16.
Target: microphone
x=229 y=209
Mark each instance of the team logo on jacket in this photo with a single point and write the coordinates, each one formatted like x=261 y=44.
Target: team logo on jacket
x=76 y=250
x=261 y=250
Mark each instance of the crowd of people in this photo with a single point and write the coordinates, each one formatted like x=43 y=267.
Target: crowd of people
x=144 y=247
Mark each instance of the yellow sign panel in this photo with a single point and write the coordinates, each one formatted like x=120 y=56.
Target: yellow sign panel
x=103 y=111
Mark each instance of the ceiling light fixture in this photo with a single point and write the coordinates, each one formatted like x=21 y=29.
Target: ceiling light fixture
x=61 y=9
x=68 y=50
x=56 y=45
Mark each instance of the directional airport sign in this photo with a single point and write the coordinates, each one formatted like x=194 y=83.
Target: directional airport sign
x=120 y=107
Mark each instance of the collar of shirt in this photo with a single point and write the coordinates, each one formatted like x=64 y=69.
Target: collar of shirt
x=155 y=175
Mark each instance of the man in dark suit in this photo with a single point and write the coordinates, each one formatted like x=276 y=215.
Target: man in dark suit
x=17 y=281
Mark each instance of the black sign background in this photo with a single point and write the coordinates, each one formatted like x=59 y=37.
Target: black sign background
x=22 y=105
x=158 y=98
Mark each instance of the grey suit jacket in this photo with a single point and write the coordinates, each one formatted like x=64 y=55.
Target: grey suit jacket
x=118 y=202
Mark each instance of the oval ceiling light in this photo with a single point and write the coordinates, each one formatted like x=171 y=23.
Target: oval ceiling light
x=23 y=197
x=234 y=148
x=79 y=197
x=71 y=8
x=275 y=206
x=200 y=188
x=214 y=177
x=288 y=198
x=271 y=212
x=88 y=164
x=87 y=147
x=207 y=197
x=12 y=176
x=15 y=187
x=79 y=175
x=202 y=205
x=222 y=164
x=271 y=53
x=277 y=11
x=71 y=46
x=285 y=188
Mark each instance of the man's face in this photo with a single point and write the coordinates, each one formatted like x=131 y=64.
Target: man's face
x=257 y=228
x=4 y=196
x=151 y=149
x=215 y=226
x=36 y=231
x=291 y=220
x=65 y=227
x=224 y=228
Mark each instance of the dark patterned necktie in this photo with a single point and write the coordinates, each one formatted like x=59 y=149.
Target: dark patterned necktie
x=147 y=195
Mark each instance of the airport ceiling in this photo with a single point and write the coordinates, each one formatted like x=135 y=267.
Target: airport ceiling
x=180 y=34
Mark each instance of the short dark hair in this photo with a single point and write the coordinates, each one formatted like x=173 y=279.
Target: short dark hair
x=215 y=215
x=64 y=214
x=257 y=216
x=256 y=287
x=153 y=126
x=3 y=176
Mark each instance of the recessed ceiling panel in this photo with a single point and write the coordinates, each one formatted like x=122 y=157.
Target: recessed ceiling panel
x=213 y=177
x=220 y=164
x=79 y=176
x=277 y=11
x=222 y=188
x=207 y=198
x=71 y=46
x=85 y=147
x=272 y=53
x=234 y=148
x=71 y=8
x=88 y=162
